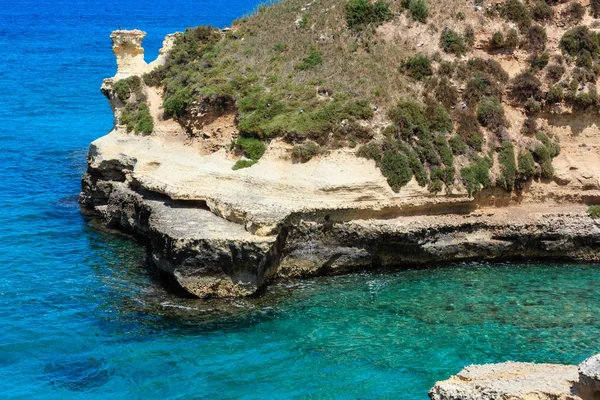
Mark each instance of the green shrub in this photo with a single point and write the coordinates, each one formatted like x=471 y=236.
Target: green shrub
x=439 y=119
x=536 y=38
x=449 y=177
x=176 y=104
x=446 y=69
x=458 y=145
x=582 y=75
x=306 y=151
x=526 y=165
x=144 y=123
x=586 y=101
x=552 y=146
x=594 y=211
x=491 y=67
x=529 y=126
x=490 y=113
x=595 y=8
x=496 y=41
x=585 y=60
x=508 y=167
x=313 y=59
x=436 y=177
x=539 y=61
x=280 y=47
x=361 y=13
x=580 y=39
x=575 y=11
x=136 y=117
x=446 y=93
x=304 y=21
x=241 y=163
x=418 y=67
x=192 y=44
x=533 y=106
x=124 y=88
x=418 y=10
x=476 y=175
x=555 y=94
x=251 y=147
x=435 y=186
x=409 y=117
x=417 y=167
x=512 y=40
x=395 y=167
x=475 y=140
x=468 y=129
x=525 y=86
x=155 y=77
x=517 y=12
x=453 y=42
x=480 y=86
x=370 y=151
x=544 y=158
x=554 y=72
x=441 y=146
x=541 y=11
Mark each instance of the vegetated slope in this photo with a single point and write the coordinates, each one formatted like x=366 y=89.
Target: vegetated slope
x=420 y=87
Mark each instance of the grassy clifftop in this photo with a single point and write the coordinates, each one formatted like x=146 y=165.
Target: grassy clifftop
x=446 y=91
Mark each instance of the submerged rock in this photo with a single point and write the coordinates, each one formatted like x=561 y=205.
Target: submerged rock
x=589 y=377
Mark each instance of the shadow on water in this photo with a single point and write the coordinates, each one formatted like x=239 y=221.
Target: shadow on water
x=78 y=375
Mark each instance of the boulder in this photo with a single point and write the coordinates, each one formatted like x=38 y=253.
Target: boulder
x=589 y=378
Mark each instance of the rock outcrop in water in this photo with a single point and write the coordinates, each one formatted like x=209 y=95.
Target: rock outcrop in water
x=522 y=381
x=222 y=232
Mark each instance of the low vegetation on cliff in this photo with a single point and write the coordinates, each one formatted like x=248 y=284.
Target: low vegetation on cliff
x=135 y=115
x=419 y=87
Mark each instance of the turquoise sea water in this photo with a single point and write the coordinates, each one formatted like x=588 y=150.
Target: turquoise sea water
x=82 y=316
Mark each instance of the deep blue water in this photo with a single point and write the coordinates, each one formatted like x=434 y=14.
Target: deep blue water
x=83 y=316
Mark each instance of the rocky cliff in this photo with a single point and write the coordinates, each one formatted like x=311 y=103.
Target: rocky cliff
x=226 y=232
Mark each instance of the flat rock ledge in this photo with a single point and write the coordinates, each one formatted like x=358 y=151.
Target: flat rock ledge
x=210 y=256
x=522 y=381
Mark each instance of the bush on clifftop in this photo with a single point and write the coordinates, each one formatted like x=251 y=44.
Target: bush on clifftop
x=594 y=211
x=395 y=167
x=361 y=13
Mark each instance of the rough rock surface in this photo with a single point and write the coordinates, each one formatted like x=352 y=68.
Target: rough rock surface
x=589 y=377
x=509 y=380
x=222 y=233
x=522 y=381
x=127 y=46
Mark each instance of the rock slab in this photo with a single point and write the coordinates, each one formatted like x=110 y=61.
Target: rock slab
x=509 y=380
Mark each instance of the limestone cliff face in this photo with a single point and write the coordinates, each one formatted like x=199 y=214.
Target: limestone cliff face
x=127 y=46
x=221 y=232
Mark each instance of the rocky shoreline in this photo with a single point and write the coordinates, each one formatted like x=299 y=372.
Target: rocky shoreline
x=212 y=257
x=226 y=233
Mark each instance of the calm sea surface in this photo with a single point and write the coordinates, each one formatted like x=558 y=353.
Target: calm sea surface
x=83 y=316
